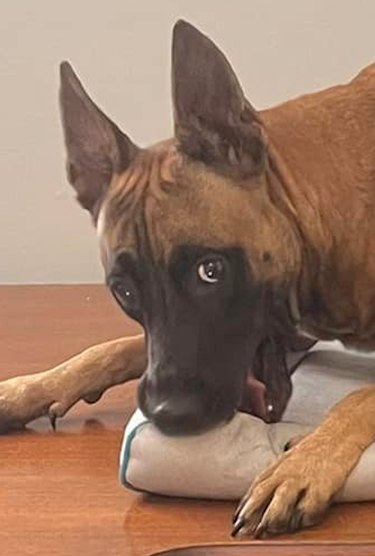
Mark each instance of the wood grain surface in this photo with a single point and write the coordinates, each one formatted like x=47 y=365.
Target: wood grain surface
x=275 y=549
x=60 y=493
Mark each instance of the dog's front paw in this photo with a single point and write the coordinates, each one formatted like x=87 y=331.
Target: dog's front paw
x=293 y=493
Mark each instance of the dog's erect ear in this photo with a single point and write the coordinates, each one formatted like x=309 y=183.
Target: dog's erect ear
x=214 y=123
x=96 y=147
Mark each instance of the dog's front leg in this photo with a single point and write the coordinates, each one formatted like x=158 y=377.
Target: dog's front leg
x=297 y=489
x=85 y=376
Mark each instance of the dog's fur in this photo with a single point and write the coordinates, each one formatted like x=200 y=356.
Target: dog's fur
x=283 y=203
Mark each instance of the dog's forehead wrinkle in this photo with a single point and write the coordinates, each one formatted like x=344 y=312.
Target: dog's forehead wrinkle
x=149 y=216
x=127 y=192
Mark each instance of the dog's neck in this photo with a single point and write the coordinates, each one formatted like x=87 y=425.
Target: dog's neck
x=323 y=146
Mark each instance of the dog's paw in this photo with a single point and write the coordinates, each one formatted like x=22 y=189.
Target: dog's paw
x=293 y=493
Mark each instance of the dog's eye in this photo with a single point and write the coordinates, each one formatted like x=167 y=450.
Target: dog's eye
x=211 y=271
x=126 y=294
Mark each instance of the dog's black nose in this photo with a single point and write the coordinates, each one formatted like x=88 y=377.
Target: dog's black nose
x=177 y=416
x=177 y=408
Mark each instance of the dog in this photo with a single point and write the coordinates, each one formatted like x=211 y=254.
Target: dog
x=246 y=235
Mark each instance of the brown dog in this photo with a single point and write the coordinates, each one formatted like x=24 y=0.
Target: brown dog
x=223 y=243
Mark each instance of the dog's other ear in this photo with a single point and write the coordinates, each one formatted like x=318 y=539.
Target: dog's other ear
x=96 y=147
x=214 y=123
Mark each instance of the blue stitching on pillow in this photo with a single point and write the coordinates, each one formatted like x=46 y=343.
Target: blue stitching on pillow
x=126 y=458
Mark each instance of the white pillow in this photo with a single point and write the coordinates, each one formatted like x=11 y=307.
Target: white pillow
x=222 y=462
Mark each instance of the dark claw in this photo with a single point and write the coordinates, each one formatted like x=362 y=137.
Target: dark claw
x=288 y=446
x=296 y=520
x=53 y=419
x=237 y=526
x=238 y=510
x=260 y=531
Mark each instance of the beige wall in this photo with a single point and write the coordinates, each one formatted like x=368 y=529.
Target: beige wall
x=120 y=48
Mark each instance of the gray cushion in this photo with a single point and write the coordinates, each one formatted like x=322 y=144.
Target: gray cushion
x=222 y=463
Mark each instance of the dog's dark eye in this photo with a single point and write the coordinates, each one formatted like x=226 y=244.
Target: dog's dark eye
x=127 y=295
x=211 y=270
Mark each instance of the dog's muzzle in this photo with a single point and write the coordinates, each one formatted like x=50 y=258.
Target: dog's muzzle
x=178 y=408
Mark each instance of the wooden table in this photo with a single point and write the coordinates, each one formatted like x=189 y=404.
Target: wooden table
x=59 y=491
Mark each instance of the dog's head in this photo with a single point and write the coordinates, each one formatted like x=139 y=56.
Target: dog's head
x=193 y=241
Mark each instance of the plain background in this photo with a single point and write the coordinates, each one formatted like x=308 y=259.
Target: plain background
x=121 y=50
